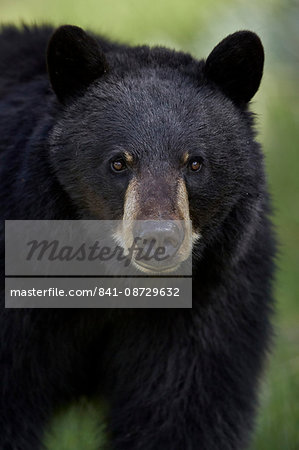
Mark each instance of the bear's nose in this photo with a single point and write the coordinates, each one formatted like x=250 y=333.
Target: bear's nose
x=157 y=240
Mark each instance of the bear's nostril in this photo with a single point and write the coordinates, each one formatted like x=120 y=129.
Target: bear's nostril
x=152 y=235
x=160 y=240
x=171 y=241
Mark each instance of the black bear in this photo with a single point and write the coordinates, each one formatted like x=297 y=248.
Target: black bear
x=98 y=130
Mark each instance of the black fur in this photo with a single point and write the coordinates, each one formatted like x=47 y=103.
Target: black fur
x=175 y=379
x=75 y=60
x=236 y=64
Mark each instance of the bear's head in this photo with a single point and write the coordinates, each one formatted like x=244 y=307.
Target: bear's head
x=157 y=136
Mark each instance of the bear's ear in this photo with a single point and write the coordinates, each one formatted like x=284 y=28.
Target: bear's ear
x=74 y=60
x=236 y=66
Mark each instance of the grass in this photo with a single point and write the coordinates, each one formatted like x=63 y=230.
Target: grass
x=197 y=27
x=81 y=426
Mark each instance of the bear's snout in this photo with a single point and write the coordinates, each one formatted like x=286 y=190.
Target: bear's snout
x=157 y=242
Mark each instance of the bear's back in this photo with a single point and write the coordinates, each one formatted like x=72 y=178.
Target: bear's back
x=23 y=55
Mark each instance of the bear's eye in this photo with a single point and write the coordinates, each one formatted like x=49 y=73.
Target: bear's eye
x=195 y=164
x=118 y=165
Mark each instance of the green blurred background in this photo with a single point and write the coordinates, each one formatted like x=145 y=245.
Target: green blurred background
x=197 y=26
